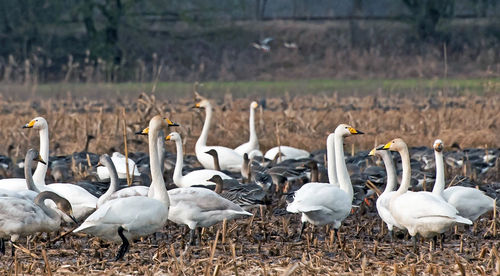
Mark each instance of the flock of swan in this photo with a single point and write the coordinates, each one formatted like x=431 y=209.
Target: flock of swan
x=215 y=193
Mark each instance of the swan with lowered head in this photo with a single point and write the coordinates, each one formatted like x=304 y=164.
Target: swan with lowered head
x=471 y=203
x=253 y=142
x=198 y=177
x=113 y=192
x=229 y=159
x=21 y=217
x=384 y=199
x=326 y=203
x=128 y=218
x=420 y=213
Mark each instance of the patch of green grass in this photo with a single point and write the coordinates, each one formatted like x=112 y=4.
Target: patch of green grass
x=260 y=88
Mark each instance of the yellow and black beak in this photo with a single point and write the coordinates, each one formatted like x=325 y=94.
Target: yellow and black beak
x=372 y=152
x=387 y=146
x=30 y=124
x=197 y=105
x=168 y=137
x=39 y=159
x=438 y=147
x=170 y=123
x=143 y=132
x=355 y=131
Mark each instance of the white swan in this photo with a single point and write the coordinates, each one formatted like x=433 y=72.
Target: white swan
x=32 y=191
x=19 y=184
x=325 y=203
x=121 y=167
x=112 y=192
x=384 y=200
x=21 y=217
x=131 y=217
x=287 y=153
x=201 y=207
x=198 y=177
x=420 y=213
x=228 y=158
x=253 y=142
x=471 y=203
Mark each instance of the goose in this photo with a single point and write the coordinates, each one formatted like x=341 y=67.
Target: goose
x=19 y=184
x=215 y=157
x=128 y=218
x=82 y=202
x=253 y=142
x=245 y=195
x=201 y=207
x=32 y=191
x=384 y=199
x=471 y=203
x=21 y=217
x=421 y=213
x=287 y=153
x=112 y=192
x=198 y=177
x=325 y=203
x=229 y=159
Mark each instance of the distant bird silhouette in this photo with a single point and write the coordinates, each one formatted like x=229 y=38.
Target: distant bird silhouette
x=263 y=45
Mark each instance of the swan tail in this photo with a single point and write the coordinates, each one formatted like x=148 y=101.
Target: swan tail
x=463 y=220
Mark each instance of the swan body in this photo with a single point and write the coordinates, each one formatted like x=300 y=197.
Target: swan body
x=384 y=199
x=201 y=207
x=253 y=142
x=121 y=167
x=112 y=192
x=229 y=159
x=287 y=153
x=19 y=184
x=420 y=213
x=325 y=203
x=21 y=217
x=471 y=203
x=199 y=177
x=131 y=217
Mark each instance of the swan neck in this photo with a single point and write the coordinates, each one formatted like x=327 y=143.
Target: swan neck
x=179 y=163
x=157 y=183
x=405 y=182
x=202 y=141
x=390 y=171
x=161 y=150
x=440 y=182
x=253 y=134
x=40 y=201
x=330 y=159
x=342 y=173
x=29 y=177
x=41 y=169
x=113 y=183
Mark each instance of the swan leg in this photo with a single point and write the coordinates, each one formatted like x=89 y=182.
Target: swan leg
x=125 y=245
x=390 y=235
x=191 y=237
x=415 y=247
x=299 y=238
x=2 y=246
x=199 y=235
x=12 y=249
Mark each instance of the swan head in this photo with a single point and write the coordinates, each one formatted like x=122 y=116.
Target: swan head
x=37 y=123
x=395 y=145
x=376 y=150
x=61 y=203
x=347 y=130
x=146 y=130
x=254 y=105
x=202 y=104
x=104 y=160
x=174 y=136
x=438 y=145
x=33 y=154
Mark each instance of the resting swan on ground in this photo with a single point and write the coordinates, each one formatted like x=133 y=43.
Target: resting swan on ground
x=21 y=217
x=325 y=203
x=229 y=159
x=198 y=177
x=253 y=142
x=32 y=191
x=471 y=203
x=420 y=213
x=113 y=192
x=128 y=218
x=384 y=199
x=287 y=153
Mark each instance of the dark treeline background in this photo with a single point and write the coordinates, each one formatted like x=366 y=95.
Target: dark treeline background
x=188 y=40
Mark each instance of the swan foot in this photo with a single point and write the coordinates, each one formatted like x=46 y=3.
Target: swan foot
x=125 y=245
x=2 y=246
